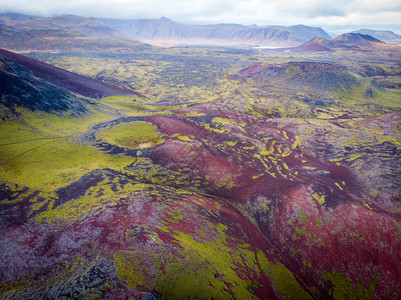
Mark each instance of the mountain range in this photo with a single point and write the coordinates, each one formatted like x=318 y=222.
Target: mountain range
x=386 y=36
x=168 y=30
x=18 y=31
x=345 y=42
x=82 y=25
x=68 y=33
x=74 y=33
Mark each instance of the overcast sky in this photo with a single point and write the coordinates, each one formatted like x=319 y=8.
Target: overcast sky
x=335 y=16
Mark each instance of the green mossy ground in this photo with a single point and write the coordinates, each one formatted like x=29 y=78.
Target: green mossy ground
x=43 y=151
x=133 y=135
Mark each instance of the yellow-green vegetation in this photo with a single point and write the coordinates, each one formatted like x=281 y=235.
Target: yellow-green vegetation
x=123 y=99
x=47 y=124
x=344 y=288
x=184 y=137
x=231 y=143
x=357 y=95
x=158 y=79
x=175 y=216
x=133 y=135
x=319 y=197
x=297 y=143
x=219 y=129
x=43 y=153
x=208 y=271
x=223 y=120
x=149 y=180
x=138 y=104
x=130 y=268
x=272 y=155
x=50 y=165
x=94 y=199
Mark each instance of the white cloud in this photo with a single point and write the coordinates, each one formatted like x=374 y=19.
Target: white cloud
x=340 y=13
x=375 y=6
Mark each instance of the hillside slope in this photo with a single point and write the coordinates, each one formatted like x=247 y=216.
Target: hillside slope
x=76 y=83
x=83 y=25
x=31 y=84
x=345 y=42
x=69 y=33
x=320 y=78
x=386 y=36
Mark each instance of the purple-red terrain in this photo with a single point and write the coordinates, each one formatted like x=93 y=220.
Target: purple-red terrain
x=312 y=45
x=230 y=204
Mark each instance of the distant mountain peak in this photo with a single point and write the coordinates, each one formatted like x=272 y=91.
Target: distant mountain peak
x=314 y=45
x=165 y=20
x=355 y=37
x=309 y=32
x=386 y=36
x=15 y=16
x=351 y=41
x=164 y=29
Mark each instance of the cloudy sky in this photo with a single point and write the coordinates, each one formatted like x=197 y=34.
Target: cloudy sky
x=335 y=16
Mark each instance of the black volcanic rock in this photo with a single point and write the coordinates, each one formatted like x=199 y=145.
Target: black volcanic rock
x=25 y=82
x=73 y=82
x=28 y=91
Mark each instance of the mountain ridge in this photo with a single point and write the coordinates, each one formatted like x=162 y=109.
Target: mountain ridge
x=348 y=41
x=83 y=25
x=24 y=33
x=386 y=36
x=39 y=86
x=166 y=29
